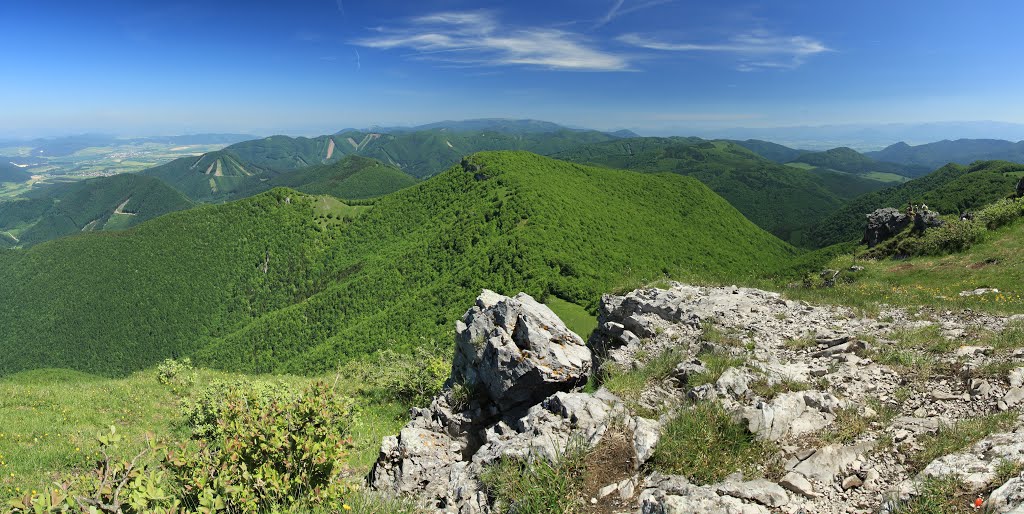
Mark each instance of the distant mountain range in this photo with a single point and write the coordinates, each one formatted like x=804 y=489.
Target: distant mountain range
x=961 y=151
x=865 y=137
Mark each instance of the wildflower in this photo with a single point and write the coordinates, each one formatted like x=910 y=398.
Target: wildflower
x=346 y=507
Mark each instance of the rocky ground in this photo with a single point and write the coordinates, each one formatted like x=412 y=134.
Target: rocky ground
x=852 y=406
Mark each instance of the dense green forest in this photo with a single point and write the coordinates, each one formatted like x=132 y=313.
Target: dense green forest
x=851 y=161
x=948 y=190
x=263 y=284
x=353 y=177
x=12 y=173
x=421 y=153
x=780 y=199
x=105 y=203
x=961 y=151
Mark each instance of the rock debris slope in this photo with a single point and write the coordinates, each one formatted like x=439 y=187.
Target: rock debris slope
x=851 y=405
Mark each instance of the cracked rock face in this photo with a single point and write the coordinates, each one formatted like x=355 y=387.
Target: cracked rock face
x=883 y=224
x=517 y=351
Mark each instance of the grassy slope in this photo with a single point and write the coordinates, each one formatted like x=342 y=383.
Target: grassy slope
x=353 y=177
x=193 y=282
x=936 y=281
x=950 y=189
x=89 y=205
x=52 y=416
x=780 y=199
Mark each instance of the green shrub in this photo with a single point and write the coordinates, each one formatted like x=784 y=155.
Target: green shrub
x=179 y=375
x=953 y=236
x=282 y=451
x=1001 y=213
x=204 y=412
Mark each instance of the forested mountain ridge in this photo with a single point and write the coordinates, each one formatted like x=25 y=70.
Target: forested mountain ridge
x=265 y=284
x=421 y=153
x=772 y=151
x=11 y=173
x=797 y=197
x=851 y=161
x=105 y=203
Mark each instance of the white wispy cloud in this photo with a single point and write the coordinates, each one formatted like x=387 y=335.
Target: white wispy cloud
x=754 y=51
x=478 y=38
x=621 y=8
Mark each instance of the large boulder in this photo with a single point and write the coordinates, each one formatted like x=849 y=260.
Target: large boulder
x=925 y=220
x=518 y=361
x=884 y=224
x=517 y=351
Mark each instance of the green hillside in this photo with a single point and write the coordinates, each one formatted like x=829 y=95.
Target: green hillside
x=851 y=161
x=265 y=284
x=948 y=190
x=211 y=177
x=12 y=173
x=105 y=203
x=961 y=151
x=421 y=153
x=353 y=177
x=780 y=199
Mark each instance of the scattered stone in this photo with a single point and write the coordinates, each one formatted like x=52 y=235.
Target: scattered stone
x=831 y=460
x=1013 y=397
x=1016 y=377
x=971 y=351
x=607 y=490
x=977 y=465
x=852 y=482
x=795 y=482
x=980 y=291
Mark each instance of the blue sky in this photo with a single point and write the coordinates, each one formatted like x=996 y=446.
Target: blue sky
x=313 y=66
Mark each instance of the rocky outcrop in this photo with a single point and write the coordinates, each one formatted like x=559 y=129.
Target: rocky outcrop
x=884 y=224
x=843 y=427
x=509 y=396
x=1020 y=188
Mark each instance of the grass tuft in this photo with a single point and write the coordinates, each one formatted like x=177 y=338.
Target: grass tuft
x=704 y=444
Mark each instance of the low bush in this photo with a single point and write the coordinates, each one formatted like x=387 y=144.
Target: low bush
x=266 y=450
x=1001 y=213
